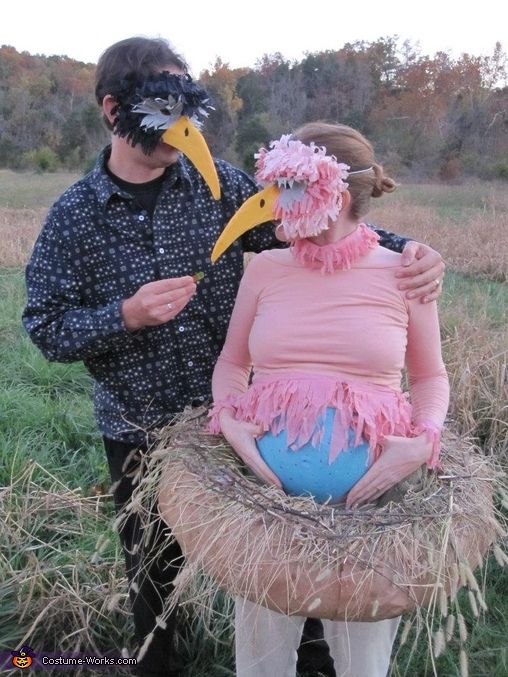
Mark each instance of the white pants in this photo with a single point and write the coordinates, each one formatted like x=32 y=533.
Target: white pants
x=266 y=643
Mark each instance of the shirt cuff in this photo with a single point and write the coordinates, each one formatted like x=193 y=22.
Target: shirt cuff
x=214 y=414
x=433 y=434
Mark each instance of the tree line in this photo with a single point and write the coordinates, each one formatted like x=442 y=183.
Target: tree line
x=428 y=116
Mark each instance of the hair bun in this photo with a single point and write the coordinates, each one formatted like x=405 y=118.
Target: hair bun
x=382 y=183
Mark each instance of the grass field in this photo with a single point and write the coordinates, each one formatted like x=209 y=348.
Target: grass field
x=61 y=570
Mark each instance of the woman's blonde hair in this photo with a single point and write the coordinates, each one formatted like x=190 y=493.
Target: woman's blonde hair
x=352 y=148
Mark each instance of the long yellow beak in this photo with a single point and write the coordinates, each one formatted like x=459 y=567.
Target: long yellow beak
x=184 y=136
x=257 y=209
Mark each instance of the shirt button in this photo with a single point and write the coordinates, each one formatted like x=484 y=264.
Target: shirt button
x=190 y=363
x=141 y=217
x=180 y=328
x=161 y=250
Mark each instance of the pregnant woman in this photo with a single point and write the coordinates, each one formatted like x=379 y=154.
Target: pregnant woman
x=325 y=332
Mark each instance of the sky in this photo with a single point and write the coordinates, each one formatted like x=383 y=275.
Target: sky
x=241 y=32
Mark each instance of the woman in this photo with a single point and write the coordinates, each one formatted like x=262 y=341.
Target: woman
x=326 y=332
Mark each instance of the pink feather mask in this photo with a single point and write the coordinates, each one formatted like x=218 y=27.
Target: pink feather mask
x=311 y=184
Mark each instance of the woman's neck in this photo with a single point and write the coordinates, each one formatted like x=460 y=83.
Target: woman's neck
x=337 y=230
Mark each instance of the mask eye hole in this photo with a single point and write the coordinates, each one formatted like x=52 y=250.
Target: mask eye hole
x=261 y=203
x=186 y=132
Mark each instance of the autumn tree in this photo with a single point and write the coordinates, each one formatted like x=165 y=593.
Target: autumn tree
x=220 y=82
x=427 y=115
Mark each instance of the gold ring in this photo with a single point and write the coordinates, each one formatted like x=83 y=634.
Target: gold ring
x=437 y=282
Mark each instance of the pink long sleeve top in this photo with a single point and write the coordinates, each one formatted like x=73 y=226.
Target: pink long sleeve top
x=326 y=326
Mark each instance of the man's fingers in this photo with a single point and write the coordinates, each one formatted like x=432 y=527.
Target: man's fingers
x=409 y=253
x=429 y=277
x=425 y=289
x=434 y=295
x=169 y=284
x=169 y=310
x=164 y=312
x=419 y=267
x=175 y=296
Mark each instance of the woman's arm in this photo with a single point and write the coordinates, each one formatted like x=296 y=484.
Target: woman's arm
x=428 y=381
x=232 y=370
x=429 y=390
x=231 y=378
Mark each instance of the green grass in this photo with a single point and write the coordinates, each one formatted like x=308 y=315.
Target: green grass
x=45 y=409
x=456 y=203
x=477 y=298
x=31 y=190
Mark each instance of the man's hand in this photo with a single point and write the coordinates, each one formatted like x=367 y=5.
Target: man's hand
x=424 y=269
x=401 y=456
x=241 y=437
x=157 y=302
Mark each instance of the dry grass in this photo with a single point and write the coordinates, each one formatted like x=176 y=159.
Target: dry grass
x=25 y=198
x=467 y=224
x=476 y=358
x=68 y=595
x=18 y=231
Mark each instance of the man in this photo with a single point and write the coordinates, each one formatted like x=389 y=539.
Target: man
x=110 y=282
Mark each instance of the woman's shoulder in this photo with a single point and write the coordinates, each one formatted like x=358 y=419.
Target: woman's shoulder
x=380 y=257
x=271 y=258
x=262 y=267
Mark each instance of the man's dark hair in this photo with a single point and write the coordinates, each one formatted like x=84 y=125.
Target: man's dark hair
x=134 y=57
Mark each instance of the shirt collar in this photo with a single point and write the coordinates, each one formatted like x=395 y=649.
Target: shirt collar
x=105 y=187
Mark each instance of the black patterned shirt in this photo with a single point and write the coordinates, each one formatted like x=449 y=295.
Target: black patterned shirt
x=98 y=246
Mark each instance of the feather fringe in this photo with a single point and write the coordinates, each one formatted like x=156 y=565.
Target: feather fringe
x=298 y=403
x=338 y=255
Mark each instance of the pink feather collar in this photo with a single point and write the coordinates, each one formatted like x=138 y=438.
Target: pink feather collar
x=339 y=255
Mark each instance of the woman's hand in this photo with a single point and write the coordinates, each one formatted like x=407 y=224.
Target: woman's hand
x=401 y=456
x=241 y=437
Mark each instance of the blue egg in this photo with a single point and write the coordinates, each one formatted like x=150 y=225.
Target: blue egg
x=306 y=471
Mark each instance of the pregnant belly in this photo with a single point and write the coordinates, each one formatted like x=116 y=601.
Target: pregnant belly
x=307 y=472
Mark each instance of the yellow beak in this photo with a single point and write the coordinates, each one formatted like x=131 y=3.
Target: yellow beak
x=184 y=136
x=257 y=209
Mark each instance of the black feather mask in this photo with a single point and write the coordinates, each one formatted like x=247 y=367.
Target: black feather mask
x=145 y=109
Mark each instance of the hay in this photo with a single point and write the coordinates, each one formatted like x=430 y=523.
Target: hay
x=58 y=594
x=299 y=557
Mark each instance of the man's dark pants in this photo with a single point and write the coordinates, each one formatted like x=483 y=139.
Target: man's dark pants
x=150 y=581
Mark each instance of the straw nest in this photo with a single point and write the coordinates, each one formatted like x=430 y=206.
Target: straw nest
x=414 y=549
